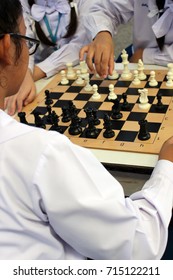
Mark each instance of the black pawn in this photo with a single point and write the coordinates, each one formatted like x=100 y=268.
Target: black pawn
x=143 y=132
x=116 y=114
x=38 y=120
x=66 y=116
x=75 y=128
x=22 y=117
x=96 y=119
x=55 y=121
x=125 y=105
x=48 y=100
x=91 y=130
x=108 y=133
x=159 y=106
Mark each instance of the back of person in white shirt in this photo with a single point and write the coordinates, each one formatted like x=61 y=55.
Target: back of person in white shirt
x=57 y=201
x=152 y=32
x=58 y=24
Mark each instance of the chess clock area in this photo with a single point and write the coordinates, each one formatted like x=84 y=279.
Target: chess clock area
x=122 y=146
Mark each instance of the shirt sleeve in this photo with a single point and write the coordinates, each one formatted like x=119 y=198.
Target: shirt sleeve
x=107 y=16
x=86 y=207
x=157 y=57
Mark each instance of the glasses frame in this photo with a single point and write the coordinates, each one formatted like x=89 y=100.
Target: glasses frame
x=17 y=35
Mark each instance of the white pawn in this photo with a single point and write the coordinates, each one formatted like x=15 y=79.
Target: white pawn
x=114 y=75
x=143 y=99
x=87 y=87
x=64 y=80
x=136 y=80
x=169 y=82
x=112 y=94
x=141 y=74
x=96 y=95
x=79 y=80
x=152 y=82
x=70 y=72
x=83 y=68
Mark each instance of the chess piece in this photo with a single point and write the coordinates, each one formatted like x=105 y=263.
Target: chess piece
x=136 y=80
x=159 y=106
x=83 y=69
x=152 y=82
x=48 y=100
x=125 y=106
x=70 y=72
x=64 y=80
x=169 y=82
x=87 y=87
x=141 y=74
x=66 y=116
x=79 y=80
x=38 y=120
x=75 y=128
x=115 y=113
x=96 y=95
x=143 y=132
x=114 y=75
x=22 y=117
x=143 y=99
x=108 y=133
x=91 y=131
x=112 y=94
x=126 y=74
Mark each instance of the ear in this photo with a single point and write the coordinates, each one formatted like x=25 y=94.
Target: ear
x=5 y=53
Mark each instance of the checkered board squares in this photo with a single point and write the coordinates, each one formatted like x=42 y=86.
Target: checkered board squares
x=160 y=124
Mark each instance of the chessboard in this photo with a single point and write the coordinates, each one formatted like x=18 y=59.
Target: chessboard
x=122 y=133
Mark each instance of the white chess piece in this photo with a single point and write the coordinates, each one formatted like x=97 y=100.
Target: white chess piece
x=70 y=71
x=143 y=99
x=141 y=73
x=96 y=95
x=112 y=94
x=79 y=80
x=169 y=82
x=126 y=74
x=152 y=82
x=114 y=75
x=64 y=80
x=87 y=87
x=136 y=80
x=83 y=69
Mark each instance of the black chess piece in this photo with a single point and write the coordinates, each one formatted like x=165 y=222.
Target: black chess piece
x=91 y=131
x=108 y=133
x=55 y=121
x=48 y=100
x=159 y=106
x=66 y=116
x=96 y=119
x=143 y=132
x=75 y=128
x=22 y=117
x=116 y=114
x=38 y=120
x=125 y=106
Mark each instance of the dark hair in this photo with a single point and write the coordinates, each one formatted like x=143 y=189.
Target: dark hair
x=71 y=28
x=160 y=41
x=10 y=12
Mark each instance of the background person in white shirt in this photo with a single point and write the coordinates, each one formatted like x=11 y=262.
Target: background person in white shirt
x=152 y=32
x=58 y=24
x=57 y=201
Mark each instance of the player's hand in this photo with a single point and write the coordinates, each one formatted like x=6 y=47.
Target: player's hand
x=166 y=151
x=100 y=54
x=24 y=96
x=138 y=54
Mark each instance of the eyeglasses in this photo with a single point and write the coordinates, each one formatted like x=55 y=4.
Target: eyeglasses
x=31 y=42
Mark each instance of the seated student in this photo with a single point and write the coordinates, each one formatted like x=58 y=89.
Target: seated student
x=58 y=24
x=57 y=201
x=152 y=32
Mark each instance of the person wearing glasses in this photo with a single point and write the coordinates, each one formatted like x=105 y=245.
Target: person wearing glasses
x=152 y=32
x=58 y=24
x=57 y=201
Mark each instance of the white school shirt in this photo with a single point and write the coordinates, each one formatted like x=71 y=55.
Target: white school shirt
x=109 y=14
x=57 y=201
x=47 y=58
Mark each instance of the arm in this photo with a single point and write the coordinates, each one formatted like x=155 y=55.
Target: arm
x=90 y=212
x=104 y=16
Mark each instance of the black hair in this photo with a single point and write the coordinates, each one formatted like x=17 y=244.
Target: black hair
x=160 y=41
x=10 y=12
x=71 y=28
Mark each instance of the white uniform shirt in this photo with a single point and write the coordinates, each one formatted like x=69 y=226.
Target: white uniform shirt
x=109 y=14
x=58 y=202
x=58 y=15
